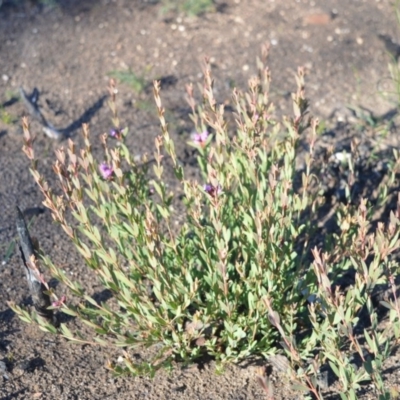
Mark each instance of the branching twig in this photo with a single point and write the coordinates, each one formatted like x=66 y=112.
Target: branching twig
x=37 y=285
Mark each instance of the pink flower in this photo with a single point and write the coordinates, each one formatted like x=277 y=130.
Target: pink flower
x=200 y=138
x=59 y=303
x=213 y=191
x=106 y=171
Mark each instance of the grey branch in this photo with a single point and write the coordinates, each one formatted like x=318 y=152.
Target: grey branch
x=33 y=109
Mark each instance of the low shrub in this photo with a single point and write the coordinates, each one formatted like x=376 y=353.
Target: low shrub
x=242 y=274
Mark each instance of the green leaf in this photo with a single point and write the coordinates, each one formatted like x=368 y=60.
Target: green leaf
x=84 y=250
x=179 y=173
x=131 y=229
x=335 y=369
x=368 y=367
x=122 y=278
x=25 y=318
x=163 y=211
x=101 y=341
x=68 y=311
x=92 y=236
x=386 y=304
x=65 y=331
x=10 y=251
x=299 y=387
x=49 y=328
x=371 y=342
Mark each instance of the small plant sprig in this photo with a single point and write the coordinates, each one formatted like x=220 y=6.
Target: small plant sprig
x=345 y=334
x=188 y=7
x=129 y=78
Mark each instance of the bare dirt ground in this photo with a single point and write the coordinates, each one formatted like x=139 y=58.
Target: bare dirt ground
x=68 y=51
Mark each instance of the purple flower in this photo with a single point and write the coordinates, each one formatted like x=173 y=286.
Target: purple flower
x=115 y=133
x=212 y=190
x=106 y=171
x=200 y=138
